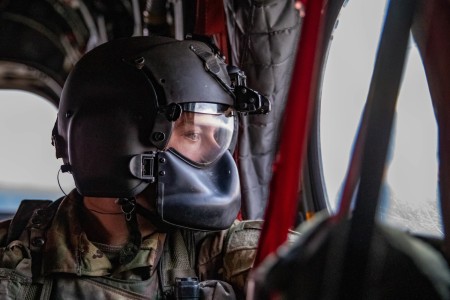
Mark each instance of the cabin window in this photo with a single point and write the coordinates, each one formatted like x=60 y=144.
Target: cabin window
x=28 y=166
x=411 y=185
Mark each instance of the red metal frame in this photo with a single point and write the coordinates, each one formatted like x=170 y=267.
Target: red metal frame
x=283 y=200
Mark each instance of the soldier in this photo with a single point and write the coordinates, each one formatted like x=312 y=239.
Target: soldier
x=146 y=126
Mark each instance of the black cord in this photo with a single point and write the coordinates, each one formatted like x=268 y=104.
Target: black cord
x=59 y=183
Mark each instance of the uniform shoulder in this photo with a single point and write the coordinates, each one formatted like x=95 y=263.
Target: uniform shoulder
x=239 y=253
x=243 y=235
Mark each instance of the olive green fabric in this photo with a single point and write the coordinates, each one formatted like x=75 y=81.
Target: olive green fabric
x=74 y=268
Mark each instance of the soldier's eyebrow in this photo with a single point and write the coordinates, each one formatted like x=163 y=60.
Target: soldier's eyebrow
x=185 y=119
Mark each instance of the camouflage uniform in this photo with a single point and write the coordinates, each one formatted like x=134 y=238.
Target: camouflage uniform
x=57 y=261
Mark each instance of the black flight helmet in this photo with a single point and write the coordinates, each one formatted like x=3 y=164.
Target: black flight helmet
x=154 y=110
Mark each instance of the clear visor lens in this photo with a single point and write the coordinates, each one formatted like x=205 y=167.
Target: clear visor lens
x=202 y=137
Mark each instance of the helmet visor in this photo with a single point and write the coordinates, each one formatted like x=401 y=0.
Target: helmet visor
x=202 y=133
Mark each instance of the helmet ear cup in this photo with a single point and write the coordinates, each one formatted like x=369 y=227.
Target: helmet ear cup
x=99 y=155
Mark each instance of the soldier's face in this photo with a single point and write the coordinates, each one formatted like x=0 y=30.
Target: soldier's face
x=201 y=137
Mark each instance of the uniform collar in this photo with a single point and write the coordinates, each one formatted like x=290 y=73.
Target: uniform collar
x=68 y=249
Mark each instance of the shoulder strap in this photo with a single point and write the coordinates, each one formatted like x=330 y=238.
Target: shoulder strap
x=176 y=262
x=25 y=212
x=34 y=216
x=22 y=216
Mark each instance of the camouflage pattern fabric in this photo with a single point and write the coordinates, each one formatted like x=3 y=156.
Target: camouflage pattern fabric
x=73 y=267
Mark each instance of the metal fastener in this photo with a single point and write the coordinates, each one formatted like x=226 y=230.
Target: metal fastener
x=158 y=136
x=38 y=242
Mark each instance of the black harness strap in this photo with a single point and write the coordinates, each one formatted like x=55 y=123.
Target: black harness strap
x=22 y=216
x=34 y=217
x=38 y=211
x=37 y=227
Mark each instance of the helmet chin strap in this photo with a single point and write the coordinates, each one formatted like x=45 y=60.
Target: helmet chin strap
x=131 y=248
